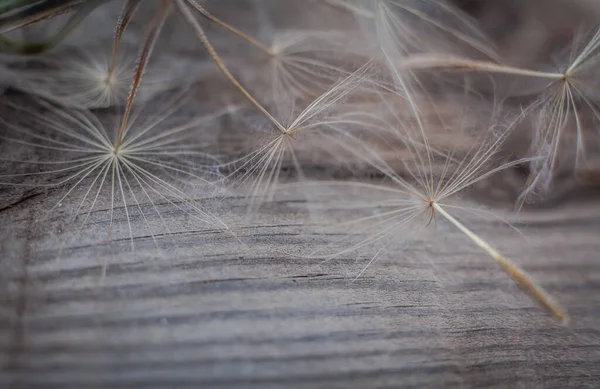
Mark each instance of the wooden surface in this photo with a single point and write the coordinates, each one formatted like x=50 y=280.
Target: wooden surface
x=206 y=311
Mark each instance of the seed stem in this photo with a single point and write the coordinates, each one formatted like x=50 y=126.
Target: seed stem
x=514 y=271
x=143 y=58
x=232 y=29
x=433 y=61
x=125 y=17
x=221 y=65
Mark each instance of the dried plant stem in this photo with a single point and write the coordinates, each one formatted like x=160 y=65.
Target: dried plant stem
x=230 y=28
x=448 y=62
x=517 y=274
x=155 y=26
x=127 y=13
x=221 y=65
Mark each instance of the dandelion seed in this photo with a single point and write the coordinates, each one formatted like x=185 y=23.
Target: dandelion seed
x=261 y=168
x=305 y=64
x=407 y=205
x=311 y=129
x=84 y=79
x=135 y=178
x=100 y=76
x=565 y=94
x=139 y=164
x=79 y=80
x=125 y=159
x=298 y=64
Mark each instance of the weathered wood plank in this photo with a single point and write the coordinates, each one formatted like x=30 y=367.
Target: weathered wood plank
x=204 y=311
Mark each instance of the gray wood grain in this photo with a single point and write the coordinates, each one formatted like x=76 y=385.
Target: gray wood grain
x=205 y=311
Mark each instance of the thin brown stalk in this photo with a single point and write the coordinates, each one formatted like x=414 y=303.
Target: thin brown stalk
x=230 y=28
x=221 y=65
x=125 y=16
x=513 y=270
x=155 y=26
x=449 y=62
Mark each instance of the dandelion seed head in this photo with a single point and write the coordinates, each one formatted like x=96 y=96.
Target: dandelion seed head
x=130 y=179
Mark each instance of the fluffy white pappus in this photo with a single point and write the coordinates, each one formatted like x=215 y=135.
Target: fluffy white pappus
x=85 y=79
x=304 y=64
x=81 y=79
x=261 y=167
x=423 y=189
x=565 y=99
x=568 y=109
x=117 y=182
x=292 y=142
x=285 y=67
x=405 y=27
